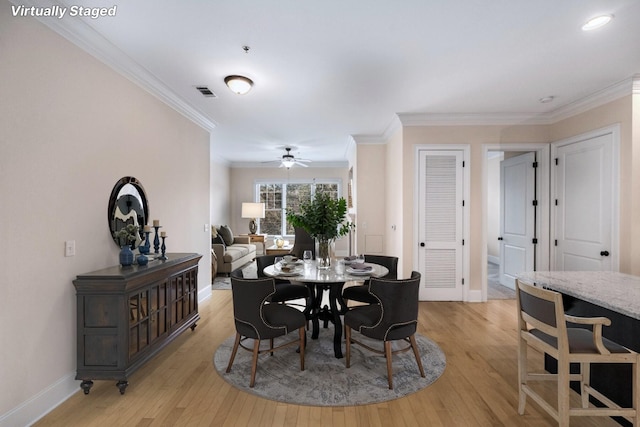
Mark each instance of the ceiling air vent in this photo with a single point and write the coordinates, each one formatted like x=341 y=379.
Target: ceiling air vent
x=206 y=92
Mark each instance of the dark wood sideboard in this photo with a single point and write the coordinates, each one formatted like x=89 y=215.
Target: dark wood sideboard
x=126 y=315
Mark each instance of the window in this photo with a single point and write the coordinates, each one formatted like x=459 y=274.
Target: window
x=280 y=197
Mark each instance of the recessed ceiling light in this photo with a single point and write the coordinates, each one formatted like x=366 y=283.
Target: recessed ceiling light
x=546 y=99
x=597 y=22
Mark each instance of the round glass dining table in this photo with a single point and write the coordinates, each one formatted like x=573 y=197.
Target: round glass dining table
x=318 y=281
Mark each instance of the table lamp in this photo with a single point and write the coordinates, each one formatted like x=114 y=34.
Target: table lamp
x=252 y=211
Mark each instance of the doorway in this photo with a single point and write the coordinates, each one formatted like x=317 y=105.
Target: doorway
x=515 y=215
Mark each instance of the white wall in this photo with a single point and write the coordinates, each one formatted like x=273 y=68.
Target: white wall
x=69 y=129
x=220 y=186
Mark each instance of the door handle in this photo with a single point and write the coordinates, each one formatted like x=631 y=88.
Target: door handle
x=422 y=244
x=604 y=253
x=499 y=238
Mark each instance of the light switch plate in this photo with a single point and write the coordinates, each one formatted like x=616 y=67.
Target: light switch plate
x=70 y=248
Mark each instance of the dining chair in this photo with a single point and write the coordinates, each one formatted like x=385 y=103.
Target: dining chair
x=285 y=290
x=394 y=317
x=543 y=310
x=302 y=242
x=360 y=293
x=257 y=319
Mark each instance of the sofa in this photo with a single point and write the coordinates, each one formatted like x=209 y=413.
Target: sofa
x=230 y=252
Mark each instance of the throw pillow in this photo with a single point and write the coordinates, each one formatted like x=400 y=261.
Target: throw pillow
x=227 y=234
x=218 y=239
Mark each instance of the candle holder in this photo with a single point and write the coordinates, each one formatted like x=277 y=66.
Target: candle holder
x=144 y=249
x=163 y=257
x=156 y=240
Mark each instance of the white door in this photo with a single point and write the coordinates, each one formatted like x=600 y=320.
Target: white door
x=517 y=217
x=585 y=193
x=440 y=221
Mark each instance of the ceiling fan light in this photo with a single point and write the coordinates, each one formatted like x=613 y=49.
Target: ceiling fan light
x=288 y=163
x=597 y=22
x=239 y=84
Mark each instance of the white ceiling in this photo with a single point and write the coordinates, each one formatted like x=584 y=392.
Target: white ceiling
x=328 y=70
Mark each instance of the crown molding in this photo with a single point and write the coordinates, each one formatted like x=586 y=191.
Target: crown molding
x=86 y=38
x=601 y=97
x=470 y=119
x=393 y=126
x=596 y=99
x=636 y=84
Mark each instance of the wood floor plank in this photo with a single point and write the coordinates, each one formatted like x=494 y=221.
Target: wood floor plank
x=180 y=386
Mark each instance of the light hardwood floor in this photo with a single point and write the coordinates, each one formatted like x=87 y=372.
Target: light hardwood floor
x=181 y=387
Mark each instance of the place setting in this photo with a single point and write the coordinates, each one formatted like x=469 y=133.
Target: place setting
x=288 y=266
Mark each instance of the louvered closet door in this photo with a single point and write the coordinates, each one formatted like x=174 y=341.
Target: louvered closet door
x=440 y=225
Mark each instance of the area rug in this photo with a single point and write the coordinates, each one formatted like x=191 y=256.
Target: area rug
x=326 y=381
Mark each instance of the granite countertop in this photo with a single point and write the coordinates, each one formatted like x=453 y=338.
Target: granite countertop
x=616 y=291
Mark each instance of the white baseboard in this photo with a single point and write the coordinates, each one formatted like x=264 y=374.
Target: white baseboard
x=204 y=293
x=475 y=296
x=31 y=410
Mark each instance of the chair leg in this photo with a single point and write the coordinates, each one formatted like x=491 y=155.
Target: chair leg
x=416 y=353
x=233 y=352
x=522 y=375
x=254 y=363
x=303 y=339
x=347 y=337
x=635 y=391
x=271 y=345
x=387 y=354
x=585 y=379
x=563 y=394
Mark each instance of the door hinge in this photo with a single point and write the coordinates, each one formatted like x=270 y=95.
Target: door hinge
x=463 y=203
x=463 y=163
x=535 y=164
x=556 y=202
x=556 y=242
x=462 y=242
x=534 y=241
x=535 y=203
x=463 y=280
x=556 y=161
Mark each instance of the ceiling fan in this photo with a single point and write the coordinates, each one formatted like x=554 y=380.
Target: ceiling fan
x=288 y=160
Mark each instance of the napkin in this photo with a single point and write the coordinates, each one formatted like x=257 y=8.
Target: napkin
x=361 y=267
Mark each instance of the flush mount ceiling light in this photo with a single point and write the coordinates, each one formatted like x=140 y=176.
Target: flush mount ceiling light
x=597 y=22
x=239 y=84
x=546 y=99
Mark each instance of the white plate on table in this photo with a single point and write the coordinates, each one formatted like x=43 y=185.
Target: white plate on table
x=292 y=263
x=359 y=272
x=288 y=273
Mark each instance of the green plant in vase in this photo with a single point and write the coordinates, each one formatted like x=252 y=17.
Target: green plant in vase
x=325 y=219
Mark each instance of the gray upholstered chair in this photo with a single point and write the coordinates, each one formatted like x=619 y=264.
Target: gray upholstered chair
x=257 y=319
x=361 y=293
x=543 y=310
x=302 y=242
x=394 y=317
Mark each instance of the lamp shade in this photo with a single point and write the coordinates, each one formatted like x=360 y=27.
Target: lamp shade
x=252 y=210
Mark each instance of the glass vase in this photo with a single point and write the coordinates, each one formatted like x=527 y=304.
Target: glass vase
x=324 y=252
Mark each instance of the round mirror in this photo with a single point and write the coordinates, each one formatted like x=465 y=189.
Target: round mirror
x=128 y=205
